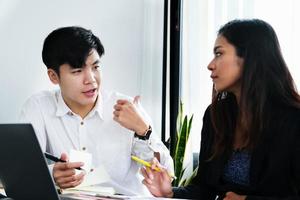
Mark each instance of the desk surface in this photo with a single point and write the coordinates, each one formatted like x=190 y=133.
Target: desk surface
x=119 y=197
x=133 y=197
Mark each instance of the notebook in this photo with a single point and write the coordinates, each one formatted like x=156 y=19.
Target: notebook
x=23 y=169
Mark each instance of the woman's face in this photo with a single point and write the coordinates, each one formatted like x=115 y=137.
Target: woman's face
x=226 y=67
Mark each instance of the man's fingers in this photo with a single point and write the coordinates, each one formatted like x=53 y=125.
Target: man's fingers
x=116 y=113
x=70 y=184
x=64 y=157
x=66 y=173
x=73 y=165
x=118 y=107
x=71 y=181
x=122 y=101
x=136 y=99
x=65 y=169
x=67 y=165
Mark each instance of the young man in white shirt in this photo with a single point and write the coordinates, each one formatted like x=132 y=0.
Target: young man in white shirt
x=80 y=116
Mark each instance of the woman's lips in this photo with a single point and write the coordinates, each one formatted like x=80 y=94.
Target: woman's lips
x=213 y=77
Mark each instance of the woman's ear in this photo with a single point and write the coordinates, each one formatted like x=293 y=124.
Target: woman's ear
x=53 y=76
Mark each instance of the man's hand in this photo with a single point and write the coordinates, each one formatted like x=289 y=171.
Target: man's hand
x=234 y=196
x=125 y=113
x=64 y=173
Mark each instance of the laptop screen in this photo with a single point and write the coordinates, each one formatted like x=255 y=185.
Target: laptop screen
x=23 y=170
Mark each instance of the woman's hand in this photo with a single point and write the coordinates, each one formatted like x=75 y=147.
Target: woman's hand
x=157 y=182
x=234 y=196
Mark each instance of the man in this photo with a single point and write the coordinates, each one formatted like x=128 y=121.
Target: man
x=80 y=116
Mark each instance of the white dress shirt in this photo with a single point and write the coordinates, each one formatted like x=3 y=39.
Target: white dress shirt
x=58 y=130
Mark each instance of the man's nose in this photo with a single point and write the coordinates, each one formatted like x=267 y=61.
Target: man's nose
x=90 y=77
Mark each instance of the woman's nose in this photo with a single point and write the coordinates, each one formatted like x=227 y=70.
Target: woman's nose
x=211 y=66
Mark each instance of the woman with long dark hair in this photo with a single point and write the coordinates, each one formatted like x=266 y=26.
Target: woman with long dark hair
x=250 y=140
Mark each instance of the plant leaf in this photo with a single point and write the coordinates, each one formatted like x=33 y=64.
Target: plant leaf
x=188 y=180
x=180 y=149
x=189 y=127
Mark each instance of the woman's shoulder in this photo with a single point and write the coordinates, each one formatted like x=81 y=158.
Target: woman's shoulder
x=286 y=110
x=285 y=118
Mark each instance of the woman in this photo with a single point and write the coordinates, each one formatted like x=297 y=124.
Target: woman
x=250 y=141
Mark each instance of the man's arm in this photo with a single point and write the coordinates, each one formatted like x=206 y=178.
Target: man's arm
x=132 y=116
x=31 y=113
x=63 y=173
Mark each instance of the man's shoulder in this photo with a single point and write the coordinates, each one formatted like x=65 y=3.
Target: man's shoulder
x=42 y=98
x=44 y=94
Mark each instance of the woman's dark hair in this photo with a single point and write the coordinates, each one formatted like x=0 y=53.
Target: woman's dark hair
x=265 y=80
x=69 y=45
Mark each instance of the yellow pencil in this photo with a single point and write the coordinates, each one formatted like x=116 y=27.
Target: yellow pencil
x=147 y=164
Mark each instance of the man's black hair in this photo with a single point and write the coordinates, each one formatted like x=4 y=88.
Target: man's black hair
x=69 y=45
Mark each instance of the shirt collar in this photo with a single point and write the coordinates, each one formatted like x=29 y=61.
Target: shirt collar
x=98 y=109
x=63 y=109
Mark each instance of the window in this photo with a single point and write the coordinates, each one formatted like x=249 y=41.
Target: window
x=202 y=19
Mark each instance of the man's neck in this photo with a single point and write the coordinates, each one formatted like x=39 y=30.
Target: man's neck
x=81 y=110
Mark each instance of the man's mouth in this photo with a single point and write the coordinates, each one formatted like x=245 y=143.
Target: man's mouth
x=90 y=93
x=91 y=90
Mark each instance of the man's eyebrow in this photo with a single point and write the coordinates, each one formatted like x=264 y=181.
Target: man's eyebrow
x=96 y=62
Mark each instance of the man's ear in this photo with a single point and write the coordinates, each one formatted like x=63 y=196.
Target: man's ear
x=53 y=76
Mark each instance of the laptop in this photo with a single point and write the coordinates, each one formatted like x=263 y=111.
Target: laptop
x=23 y=169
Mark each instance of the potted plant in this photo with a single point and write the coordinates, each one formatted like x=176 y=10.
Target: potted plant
x=184 y=124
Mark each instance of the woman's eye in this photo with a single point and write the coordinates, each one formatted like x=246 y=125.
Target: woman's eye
x=96 y=67
x=217 y=54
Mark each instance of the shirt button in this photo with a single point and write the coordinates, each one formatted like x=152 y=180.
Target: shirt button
x=81 y=123
x=83 y=148
x=70 y=113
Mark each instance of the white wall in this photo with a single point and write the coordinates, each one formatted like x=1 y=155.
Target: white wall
x=130 y=30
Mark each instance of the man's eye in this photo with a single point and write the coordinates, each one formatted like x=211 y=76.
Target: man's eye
x=76 y=71
x=96 y=67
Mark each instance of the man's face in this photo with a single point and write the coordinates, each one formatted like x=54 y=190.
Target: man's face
x=80 y=86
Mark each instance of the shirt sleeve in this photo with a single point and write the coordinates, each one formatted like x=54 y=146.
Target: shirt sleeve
x=31 y=113
x=145 y=149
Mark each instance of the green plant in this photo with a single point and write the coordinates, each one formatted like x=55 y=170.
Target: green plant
x=183 y=126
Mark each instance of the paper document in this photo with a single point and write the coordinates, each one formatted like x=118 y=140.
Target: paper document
x=97 y=176
x=93 y=177
x=81 y=156
x=94 y=190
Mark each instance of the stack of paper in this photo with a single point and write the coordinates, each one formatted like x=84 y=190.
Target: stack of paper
x=93 y=178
